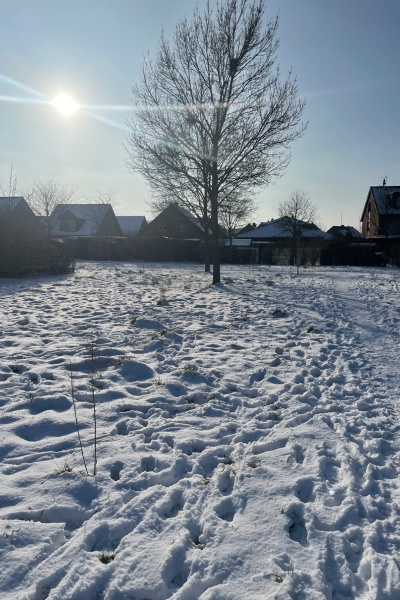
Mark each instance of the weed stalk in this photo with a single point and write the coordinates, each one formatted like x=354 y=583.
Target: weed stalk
x=71 y=376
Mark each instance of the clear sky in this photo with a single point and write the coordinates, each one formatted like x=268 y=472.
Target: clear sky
x=345 y=54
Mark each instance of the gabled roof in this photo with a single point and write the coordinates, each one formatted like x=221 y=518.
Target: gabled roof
x=276 y=229
x=189 y=215
x=130 y=224
x=183 y=211
x=7 y=202
x=344 y=230
x=91 y=214
x=379 y=194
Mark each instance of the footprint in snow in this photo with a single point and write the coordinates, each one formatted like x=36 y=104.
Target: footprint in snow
x=115 y=472
x=305 y=490
x=297 y=528
x=226 y=510
x=330 y=468
x=172 y=506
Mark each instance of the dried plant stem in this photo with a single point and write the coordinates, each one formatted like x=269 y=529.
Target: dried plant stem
x=92 y=349
x=76 y=416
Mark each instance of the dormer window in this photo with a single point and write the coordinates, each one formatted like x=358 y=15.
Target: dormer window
x=71 y=226
x=162 y=228
x=64 y=225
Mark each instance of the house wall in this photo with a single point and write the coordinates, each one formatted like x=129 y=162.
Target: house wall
x=171 y=219
x=370 y=222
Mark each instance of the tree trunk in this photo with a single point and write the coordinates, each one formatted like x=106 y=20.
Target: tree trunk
x=206 y=248
x=294 y=243
x=230 y=249
x=215 y=243
x=214 y=220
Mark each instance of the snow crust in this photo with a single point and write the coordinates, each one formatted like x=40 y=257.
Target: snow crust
x=248 y=434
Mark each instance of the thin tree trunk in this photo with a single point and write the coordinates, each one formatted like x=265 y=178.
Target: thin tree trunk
x=206 y=248
x=230 y=249
x=215 y=244
x=214 y=221
x=207 y=254
x=294 y=243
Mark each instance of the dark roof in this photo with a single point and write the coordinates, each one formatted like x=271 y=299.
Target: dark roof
x=380 y=195
x=130 y=224
x=189 y=215
x=7 y=202
x=344 y=231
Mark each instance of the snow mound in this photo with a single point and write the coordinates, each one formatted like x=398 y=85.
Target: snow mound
x=132 y=370
x=148 y=324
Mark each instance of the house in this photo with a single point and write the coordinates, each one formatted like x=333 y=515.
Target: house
x=85 y=220
x=17 y=208
x=381 y=213
x=280 y=229
x=174 y=222
x=244 y=229
x=131 y=225
x=277 y=244
x=345 y=233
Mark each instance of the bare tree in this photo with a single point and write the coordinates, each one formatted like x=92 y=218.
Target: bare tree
x=234 y=211
x=10 y=191
x=103 y=223
x=45 y=195
x=212 y=107
x=296 y=211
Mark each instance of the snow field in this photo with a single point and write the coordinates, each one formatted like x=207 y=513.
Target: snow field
x=248 y=434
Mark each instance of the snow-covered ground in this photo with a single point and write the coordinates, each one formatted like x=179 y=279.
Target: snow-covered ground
x=244 y=452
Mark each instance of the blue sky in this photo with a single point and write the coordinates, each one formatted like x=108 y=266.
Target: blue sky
x=345 y=54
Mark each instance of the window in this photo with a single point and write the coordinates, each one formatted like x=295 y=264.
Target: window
x=64 y=225
x=181 y=228
x=162 y=228
x=72 y=226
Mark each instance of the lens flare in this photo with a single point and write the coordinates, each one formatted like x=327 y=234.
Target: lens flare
x=65 y=104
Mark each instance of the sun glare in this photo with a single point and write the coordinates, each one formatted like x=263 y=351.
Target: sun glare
x=65 y=104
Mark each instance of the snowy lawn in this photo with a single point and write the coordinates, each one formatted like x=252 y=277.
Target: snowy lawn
x=248 y=434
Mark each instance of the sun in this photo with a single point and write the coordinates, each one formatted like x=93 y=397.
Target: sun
x=65 y=104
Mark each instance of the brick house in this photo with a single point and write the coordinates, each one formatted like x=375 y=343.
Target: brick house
x=174 y=222
x=381 y=213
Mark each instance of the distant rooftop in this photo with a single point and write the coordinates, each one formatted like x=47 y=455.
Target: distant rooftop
x=130 y=224
x=276 y=229
x=7 y=202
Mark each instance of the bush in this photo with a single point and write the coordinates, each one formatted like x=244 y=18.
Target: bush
x=25 y=249
x=359 y=254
